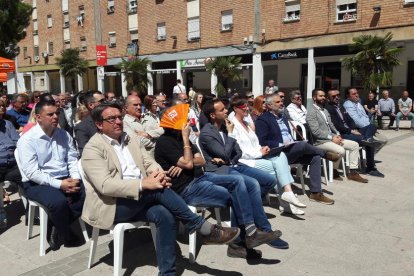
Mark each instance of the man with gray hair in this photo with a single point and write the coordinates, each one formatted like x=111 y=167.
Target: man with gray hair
x=296 y=111
x=386 y=107
x=405 y=105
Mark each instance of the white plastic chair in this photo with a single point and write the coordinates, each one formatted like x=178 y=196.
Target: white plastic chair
x=31 y=205
x=118 y=231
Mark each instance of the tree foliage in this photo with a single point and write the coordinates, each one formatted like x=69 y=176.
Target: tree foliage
x=374 y=60
x=136 y=74
x=72 y=64
x=14 y=18
x=226 y=69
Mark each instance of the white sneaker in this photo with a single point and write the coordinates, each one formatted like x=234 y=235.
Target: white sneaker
x=291 y=198
x=286 y=207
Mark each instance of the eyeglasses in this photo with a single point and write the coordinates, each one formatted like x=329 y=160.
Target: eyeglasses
x=335 y=96
x=113 y=119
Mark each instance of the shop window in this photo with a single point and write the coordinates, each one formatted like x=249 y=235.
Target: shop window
x=292 y=10
x=346 y=10
x=161 y=31
x=112 y=39
x=49 y=21
x=194 y=29
x=227 y=20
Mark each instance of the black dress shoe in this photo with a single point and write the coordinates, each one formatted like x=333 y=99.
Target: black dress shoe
x=370 y=142
x=239 y=250
x=73 y=240
x=376 y=173
x=54 y=240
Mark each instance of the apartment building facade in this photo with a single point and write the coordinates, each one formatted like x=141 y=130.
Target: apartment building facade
x=297 y=43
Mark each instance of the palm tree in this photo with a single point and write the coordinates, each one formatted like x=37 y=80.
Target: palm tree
x=374 y=60
x=227 y=69
x=72 y=64
x=136 y=74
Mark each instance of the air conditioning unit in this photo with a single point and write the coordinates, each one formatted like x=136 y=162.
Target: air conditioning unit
x=45 y=54
x=132 y=6
x=36 y=58
x=194 y=38
x=162 y=37
x=227 y=27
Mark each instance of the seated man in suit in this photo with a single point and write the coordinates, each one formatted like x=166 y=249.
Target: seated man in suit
x=357 y=112
x=272 y=129
x=126 y=184
x=326 y=136
x=86 y=128
x=348 y=130
x=48 y=159
x=175 y=153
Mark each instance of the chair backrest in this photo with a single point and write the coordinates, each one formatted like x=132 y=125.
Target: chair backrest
x=199 y=149
x=297 y=125
x=17 y=157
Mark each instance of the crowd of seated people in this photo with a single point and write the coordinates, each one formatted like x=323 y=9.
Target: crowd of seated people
x=226 y=153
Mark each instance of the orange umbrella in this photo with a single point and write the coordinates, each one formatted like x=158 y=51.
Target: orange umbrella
x=3 y=77
x=6 y=65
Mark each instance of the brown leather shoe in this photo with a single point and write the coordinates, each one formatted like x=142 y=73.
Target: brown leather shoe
x=239 y=250
x=332 y=156
x=261 y=237
x=356 y=177
x=321 y=198
x=221 y=235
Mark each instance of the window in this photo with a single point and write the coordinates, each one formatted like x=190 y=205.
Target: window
x=35 y=27
x=193 y=29
x=346 y=10
x=161 y=31
x=83 y=45
x=65 y=19
x=111 y=6
x=227 y=20
x=50 y=48
x=408 y=2
x=132 y=6
x=49 y=21
x=134 y=35
x=81 y=17
x=36 y=51
x=112 y=39
x=24 y=52
x=292 y=10
x=67 y=45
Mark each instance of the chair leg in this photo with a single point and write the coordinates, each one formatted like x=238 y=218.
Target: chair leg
x=30 y=220
x=330 y=169
x=218 y=215
x=299 y=171
x=94 y=243
x=325 y=172
x=119 y=232
x=83 y=228
x=154 y=234
x=192 y=240
x=43 y=230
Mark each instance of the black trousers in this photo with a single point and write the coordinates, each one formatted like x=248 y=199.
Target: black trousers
x=62 y=208
x=385 y=113
x=10 y=173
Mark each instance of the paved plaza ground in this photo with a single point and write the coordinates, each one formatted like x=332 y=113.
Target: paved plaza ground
x=369 y=231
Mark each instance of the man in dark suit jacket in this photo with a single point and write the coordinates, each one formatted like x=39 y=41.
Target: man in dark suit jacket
x=348 y=130
x=272 y=129
x=86 y=129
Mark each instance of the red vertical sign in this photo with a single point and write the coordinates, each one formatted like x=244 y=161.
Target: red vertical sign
x=101 y=55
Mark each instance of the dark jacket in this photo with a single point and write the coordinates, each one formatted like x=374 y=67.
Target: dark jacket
x=337 y=120
x=268 y=130
x=212 y=146
x=83 y=132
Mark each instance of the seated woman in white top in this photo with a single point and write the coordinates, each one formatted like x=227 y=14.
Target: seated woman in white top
x=253 y=155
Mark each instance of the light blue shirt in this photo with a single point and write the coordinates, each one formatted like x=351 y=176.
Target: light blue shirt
x=287 y=138
x=357 y=113
x=44 y=159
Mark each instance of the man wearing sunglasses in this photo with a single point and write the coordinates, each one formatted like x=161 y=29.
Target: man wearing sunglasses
x=48 y=161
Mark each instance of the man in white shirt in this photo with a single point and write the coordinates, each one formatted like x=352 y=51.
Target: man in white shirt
x=296 y=110
x=405 y=105
x=271 y=87
x=48 y=160
x=179 y=88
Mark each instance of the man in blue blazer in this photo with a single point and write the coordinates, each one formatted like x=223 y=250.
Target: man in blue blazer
x=272 y=129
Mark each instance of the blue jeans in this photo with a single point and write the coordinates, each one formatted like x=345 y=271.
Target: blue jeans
x=216 y=190
x=160 y=207
x=258 y=184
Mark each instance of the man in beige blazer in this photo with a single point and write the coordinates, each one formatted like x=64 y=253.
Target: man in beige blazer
x=123 y=183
